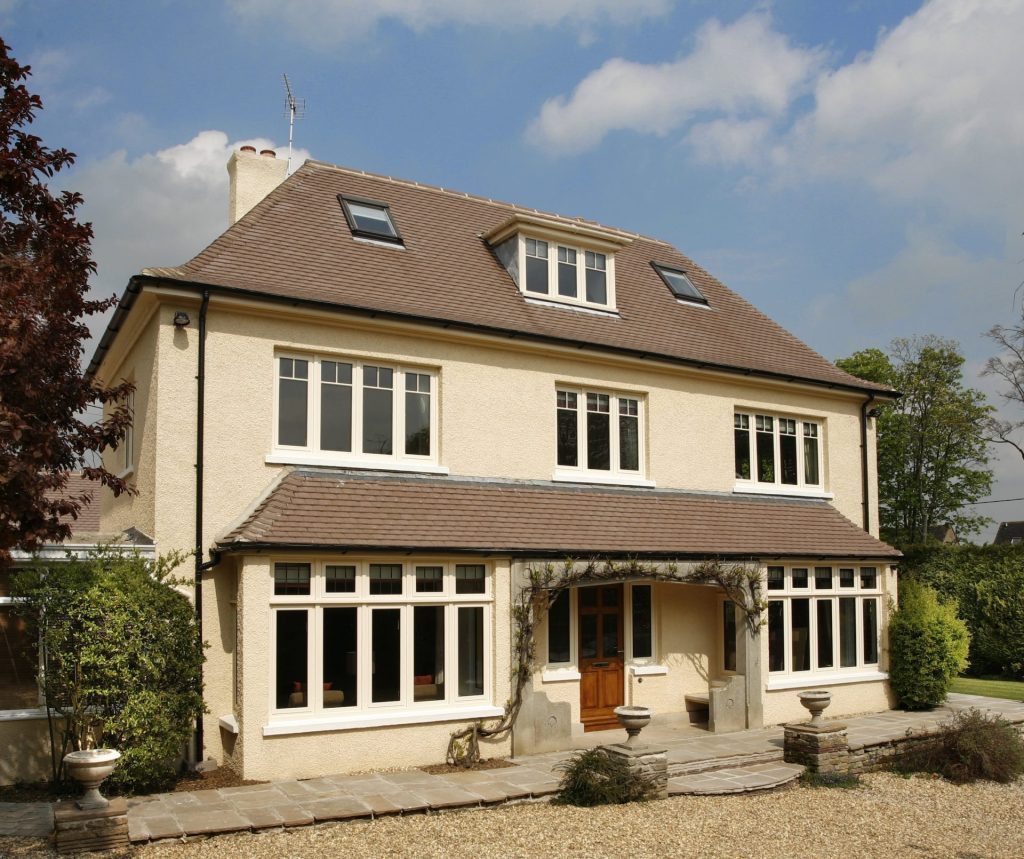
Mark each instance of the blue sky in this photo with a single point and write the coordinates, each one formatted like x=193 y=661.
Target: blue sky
x=852 y=167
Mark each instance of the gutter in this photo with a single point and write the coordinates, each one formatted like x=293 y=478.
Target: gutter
x=200 y=428
x=139 y=281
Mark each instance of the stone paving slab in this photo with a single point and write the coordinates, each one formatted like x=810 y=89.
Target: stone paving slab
x=735 y=780
x=26 y=819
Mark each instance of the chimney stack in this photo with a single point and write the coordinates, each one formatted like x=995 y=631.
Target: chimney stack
x=252 y=177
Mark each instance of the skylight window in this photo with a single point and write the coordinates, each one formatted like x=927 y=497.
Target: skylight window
x=369 y=219
x=682 y=287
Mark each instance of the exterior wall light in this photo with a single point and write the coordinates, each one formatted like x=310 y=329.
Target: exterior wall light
x=181 y=319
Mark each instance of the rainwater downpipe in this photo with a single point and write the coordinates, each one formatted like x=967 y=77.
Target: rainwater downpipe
x=865 y=414
x=200 y=413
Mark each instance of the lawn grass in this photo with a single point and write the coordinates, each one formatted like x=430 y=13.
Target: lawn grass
x=992 y=688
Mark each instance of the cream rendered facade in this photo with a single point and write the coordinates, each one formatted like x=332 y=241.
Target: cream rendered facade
x=496 y=418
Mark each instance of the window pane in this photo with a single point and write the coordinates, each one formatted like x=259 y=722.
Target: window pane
x=729 y=636
x=536 y=266
x=801 y=611
x=428 y=653
x=825 y=658
x=292 y=659
x=870 y=610
x=610 y=639
x=372 y=219
x=822 y=578
x=568 y=453
x=291 y=579
x=558 y=628
x=567 y=272
x=598 y=432
x=469 y=579
x=787 y=452
x=765 y=452
x=385 y=579
x=868 y=577
x=417 y=424
x=340 y=579
x=741 y=441
x=629 y=443
x=799 y=577
x=846 y=578
x=811 y=461
x=429 y=580
x=588 y=636
x=340 y=656
x=588 y=597
x=642 y=641
x=387 y=654
x=291 y=412
x=847 y=632
x=776 y=636
x=336 y=416
x=597 y=286
x=776 y=578
x=377 y=420
x=18 y=660
x=471 y=650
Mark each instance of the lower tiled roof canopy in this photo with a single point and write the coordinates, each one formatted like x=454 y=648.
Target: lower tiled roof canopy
x=341 y=510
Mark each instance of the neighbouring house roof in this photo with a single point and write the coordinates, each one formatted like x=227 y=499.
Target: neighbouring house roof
x=1009 y=532
x=297 y=245
x=88 y=521
x=312 y=509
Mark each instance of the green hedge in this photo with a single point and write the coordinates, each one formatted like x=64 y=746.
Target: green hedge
x=988 y=584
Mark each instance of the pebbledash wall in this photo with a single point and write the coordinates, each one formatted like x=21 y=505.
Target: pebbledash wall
x=688 y=444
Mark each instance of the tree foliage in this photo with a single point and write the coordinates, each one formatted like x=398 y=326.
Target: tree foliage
x=1008 y=366
x=121 y=660
x=45 y=266
x=928 y=646
x=932 y=446
x=988 y=584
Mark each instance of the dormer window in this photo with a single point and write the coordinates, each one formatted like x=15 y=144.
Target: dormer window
x=370 y=220
x=565 y=262
x=682 y=287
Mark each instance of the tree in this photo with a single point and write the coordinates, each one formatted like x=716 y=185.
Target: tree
x=932 y=444
x=1008 y=366
x=45 y=265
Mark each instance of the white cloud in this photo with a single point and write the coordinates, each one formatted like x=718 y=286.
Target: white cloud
x=744 y=71
x=331 y=22
x=729 y=141
x=159 y=209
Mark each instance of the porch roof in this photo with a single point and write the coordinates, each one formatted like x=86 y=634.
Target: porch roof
x=311 y=509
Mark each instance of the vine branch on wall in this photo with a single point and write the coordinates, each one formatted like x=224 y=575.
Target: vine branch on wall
x=741 y=584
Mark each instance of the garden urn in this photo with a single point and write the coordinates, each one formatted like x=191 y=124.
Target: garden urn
x=91 y=767
x=633 y=719
x=816 y=701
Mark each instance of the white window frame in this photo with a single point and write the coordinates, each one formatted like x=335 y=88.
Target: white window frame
x=836 y=673
x=581 y=277
x=776 y=486
x=366 y=713
x=580 y=473
x=312 y=454
x=21 y=712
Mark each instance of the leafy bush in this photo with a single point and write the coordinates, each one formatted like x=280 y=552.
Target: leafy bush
x=122 y=660
x=988 y=584
x=594 y=777
x=969 y=746
x=928 y=646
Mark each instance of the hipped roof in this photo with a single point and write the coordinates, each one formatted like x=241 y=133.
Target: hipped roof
x=345 y=511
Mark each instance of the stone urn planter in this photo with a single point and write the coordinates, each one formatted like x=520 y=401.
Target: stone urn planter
x=816 y=701
x=634 y=720
x=91 y=767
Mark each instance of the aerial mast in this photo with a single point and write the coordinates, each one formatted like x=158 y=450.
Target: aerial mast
x=295 y=108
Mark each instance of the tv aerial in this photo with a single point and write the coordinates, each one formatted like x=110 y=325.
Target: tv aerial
x=295 y=108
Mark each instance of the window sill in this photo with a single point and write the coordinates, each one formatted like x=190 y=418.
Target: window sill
x=648 y=670
x=560 y=675
x=229 y=723
x=302 y=458
x=318 y=724
x=603 y=479
x=825 y=680
x=789 y=491
x=23 y=715
x=125 y=472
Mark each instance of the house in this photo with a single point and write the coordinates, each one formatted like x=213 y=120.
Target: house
x=945 y=534
x=1009 y=533
x=375 y=406
x=24 y=731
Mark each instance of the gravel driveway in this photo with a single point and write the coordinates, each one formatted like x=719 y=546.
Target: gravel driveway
x=889 y=816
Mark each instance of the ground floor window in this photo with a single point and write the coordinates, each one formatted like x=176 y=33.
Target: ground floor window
x=366 y=636
x=18 y=688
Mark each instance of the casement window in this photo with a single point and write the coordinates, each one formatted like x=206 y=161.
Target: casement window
x=347 y=410
x=355 y=638
x=823 y=619
x=568 y=274
x=777 y=452
x=18 y=661
x=599 y=435
x=730 y=626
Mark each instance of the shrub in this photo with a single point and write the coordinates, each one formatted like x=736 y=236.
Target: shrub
x=594 y=777
x=928 y=646
x=988 y=585
x=970 y=745
x=122 y=659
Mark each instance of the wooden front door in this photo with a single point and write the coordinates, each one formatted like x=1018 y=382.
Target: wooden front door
x=600 y=655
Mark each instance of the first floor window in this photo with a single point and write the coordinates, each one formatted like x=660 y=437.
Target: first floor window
x=599 y=432
x=367 y=636
x=563 y=273
x=774 y=450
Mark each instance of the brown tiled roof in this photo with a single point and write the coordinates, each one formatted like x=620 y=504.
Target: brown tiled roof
x=319 y=509
x=296 y=244
x=88 y=521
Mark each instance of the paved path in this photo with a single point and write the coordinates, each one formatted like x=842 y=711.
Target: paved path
x=699 y=763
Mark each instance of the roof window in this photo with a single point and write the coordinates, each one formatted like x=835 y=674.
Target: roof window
x=369 y=219
x=682 y=287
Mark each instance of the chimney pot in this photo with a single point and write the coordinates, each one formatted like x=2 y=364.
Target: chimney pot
x=248 y=149
x=270 y=153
